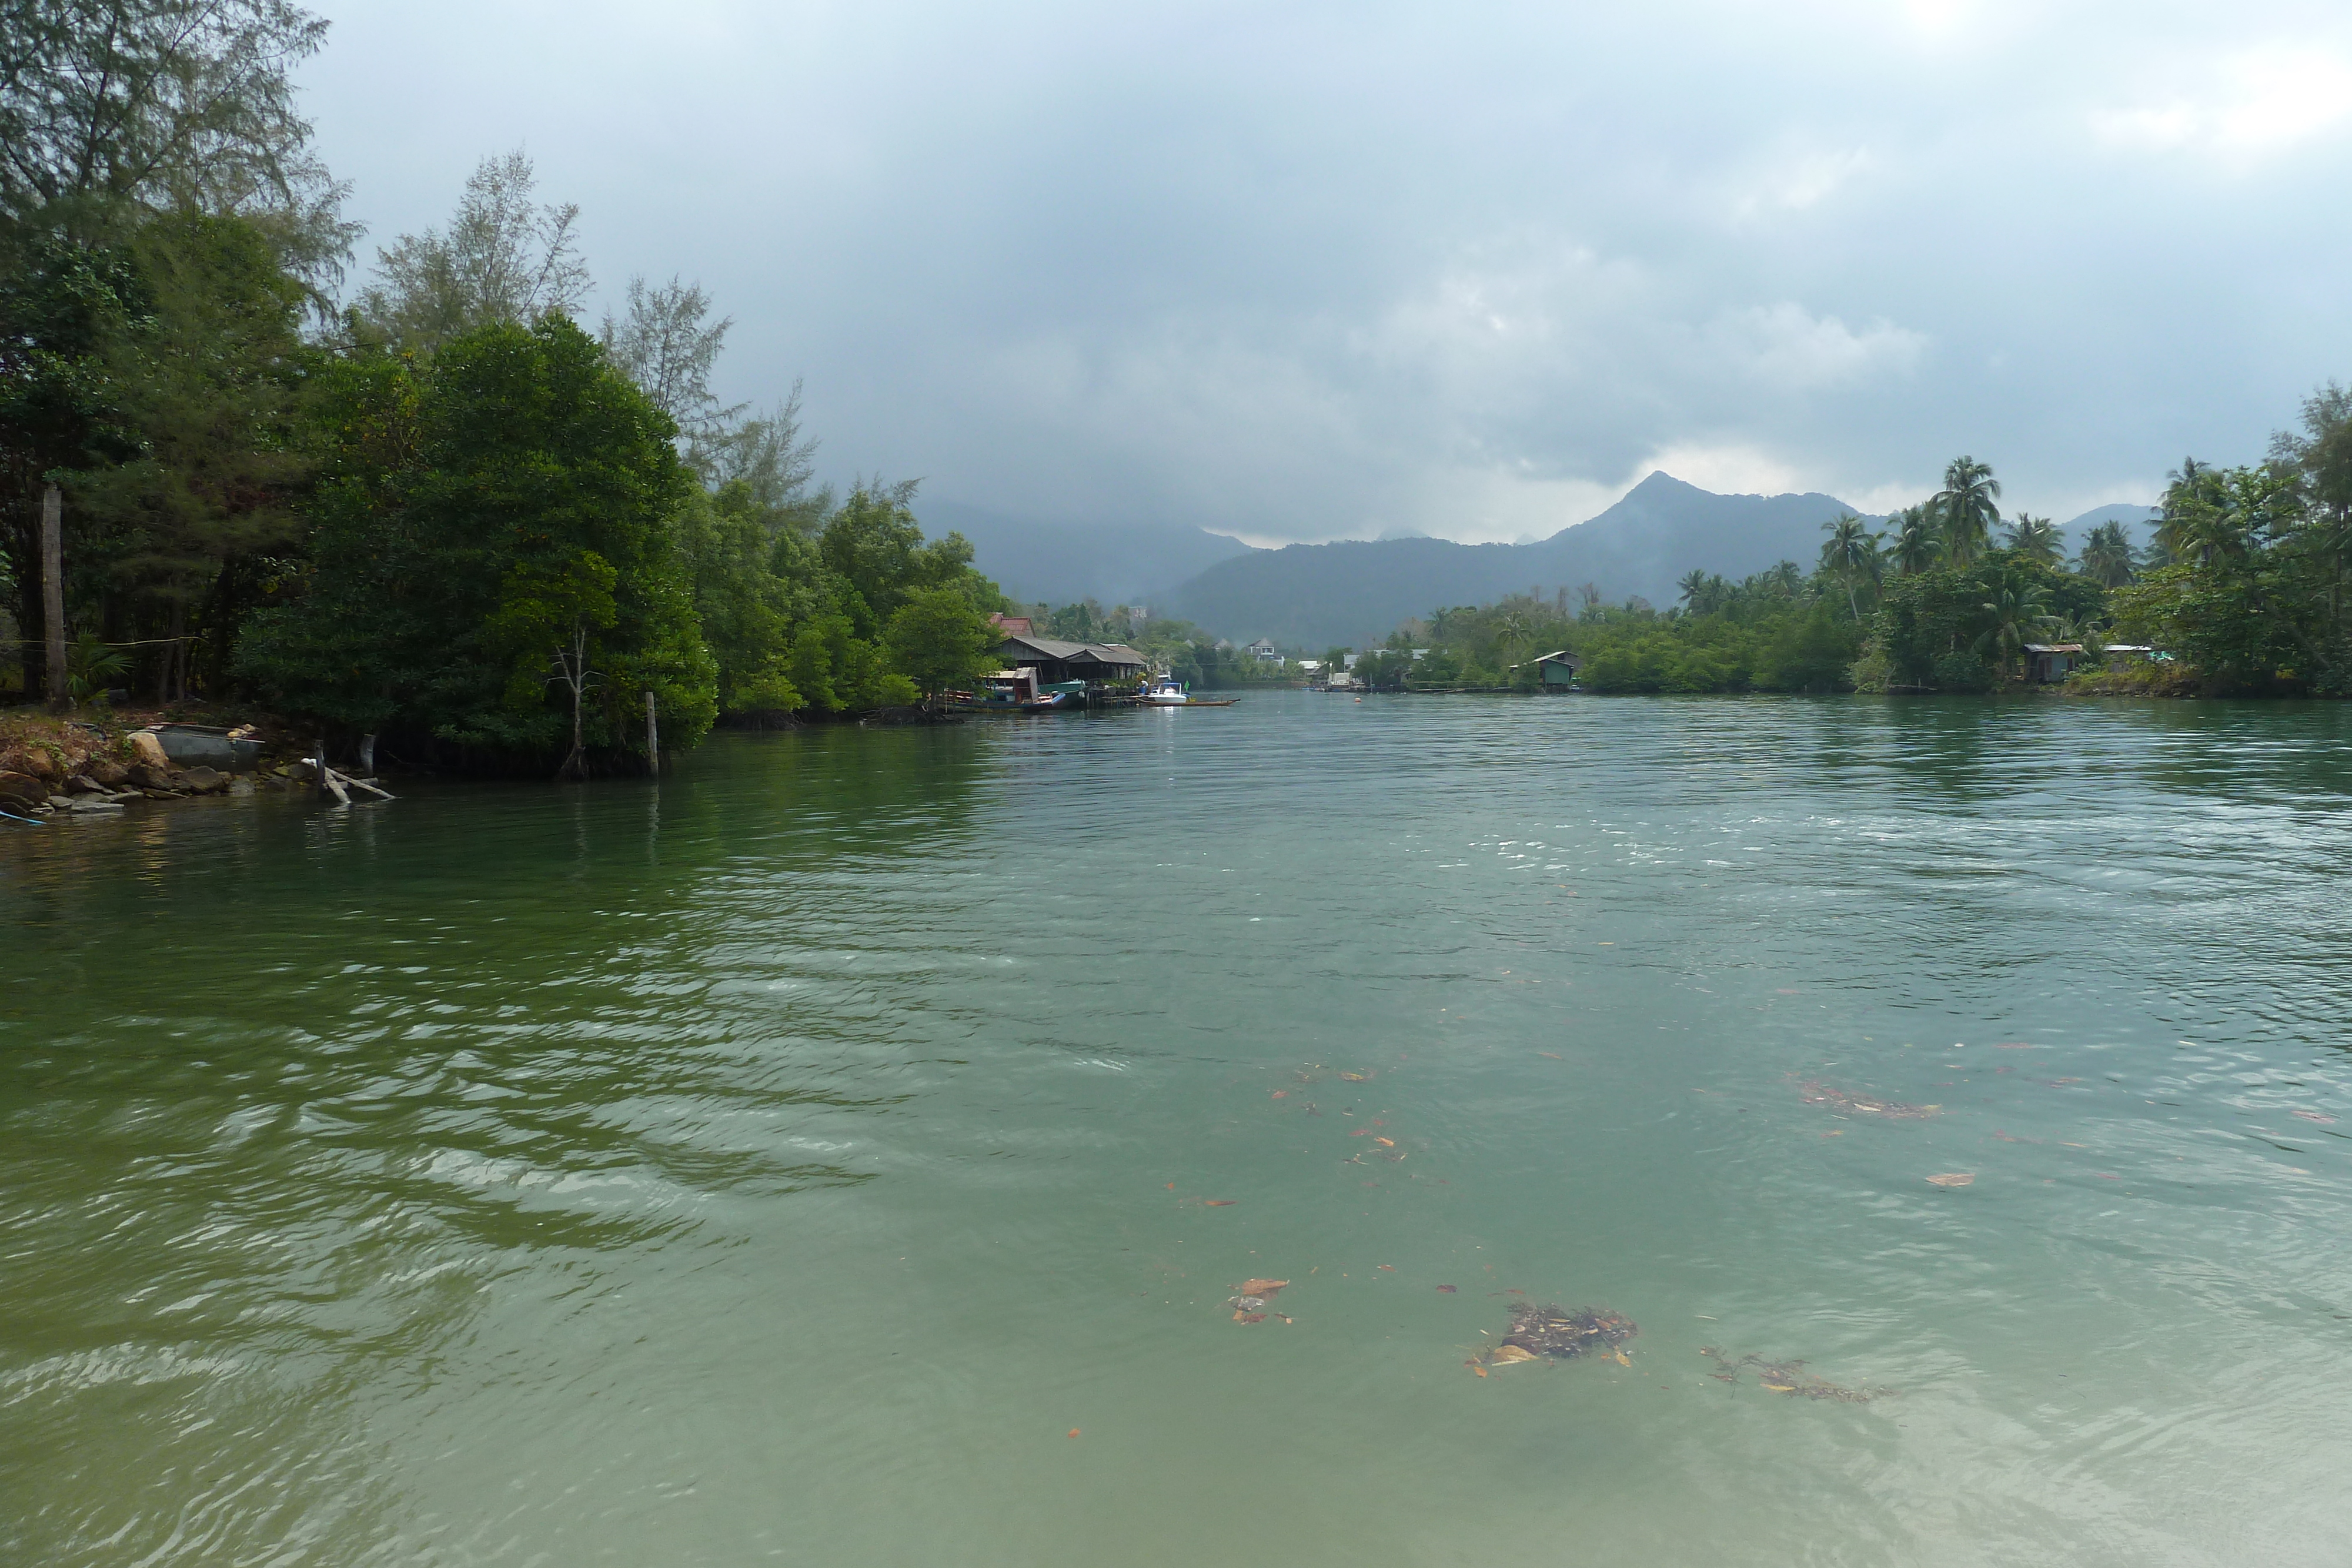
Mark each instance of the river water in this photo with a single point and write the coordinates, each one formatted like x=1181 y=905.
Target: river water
x=842 y=1152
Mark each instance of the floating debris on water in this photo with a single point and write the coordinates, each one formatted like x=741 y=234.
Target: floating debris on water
x=1817 y=1093
x=1557 y=1333
x=1788 y=1377
x=1254 y=1298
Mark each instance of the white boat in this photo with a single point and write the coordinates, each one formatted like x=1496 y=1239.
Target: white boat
x=1167 y=692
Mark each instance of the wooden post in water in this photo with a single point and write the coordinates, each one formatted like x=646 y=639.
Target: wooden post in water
x=319 y=765
x=652 y=736
x=53 y=596
x=367 y=755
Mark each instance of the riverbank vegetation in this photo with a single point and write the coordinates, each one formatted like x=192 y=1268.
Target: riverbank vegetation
x=2245 y=588
x=438 y=507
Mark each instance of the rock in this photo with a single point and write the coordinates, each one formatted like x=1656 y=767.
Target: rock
x=59 y=803
x=41 y=765
x=299 y=772
x=86 y=803
x=22 y=789
x=202 y=780
x=147 y=776
x=240 y=786
x=81 y=784
x=163 y=794
x=107 y=772
x=150 y=748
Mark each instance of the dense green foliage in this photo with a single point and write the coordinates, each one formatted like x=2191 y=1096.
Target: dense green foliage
x=2252 y=596
x=447 y=516
x=474 y=515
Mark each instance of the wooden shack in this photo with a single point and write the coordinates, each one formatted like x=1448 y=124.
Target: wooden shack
x=1057 y=662
x=1558 y=669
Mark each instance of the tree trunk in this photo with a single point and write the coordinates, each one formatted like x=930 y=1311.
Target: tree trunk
x=53 y=597
x=574 y=665
x=172 y=666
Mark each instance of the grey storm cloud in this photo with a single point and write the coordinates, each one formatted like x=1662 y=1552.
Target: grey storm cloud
x=1316 y=270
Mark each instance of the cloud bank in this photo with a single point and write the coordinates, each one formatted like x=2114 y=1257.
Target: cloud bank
x=1330 y=271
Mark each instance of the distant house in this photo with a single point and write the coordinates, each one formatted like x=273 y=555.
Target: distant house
x=2047 y=661
x=1558 y=670
x=1262 y=649
x=1011 y=625
x=1310 y=666
x=1057 y=662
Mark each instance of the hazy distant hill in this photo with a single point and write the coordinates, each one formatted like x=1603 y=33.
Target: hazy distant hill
x=1353 y=593
x=1118 y=563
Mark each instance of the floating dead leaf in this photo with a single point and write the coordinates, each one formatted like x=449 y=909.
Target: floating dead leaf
x=1361 y=1132
x=1074 y=1431
x=1953 y=1178
x=1390 y=1267
x=1219 y=1202
x=1260 y=1287
x=1509 y=1356
x=1241 y=1317
x=1355 y=1077
x=1280 y=1094
x=1447 y=1289
x=1553 y=1054
x=1385 y=1143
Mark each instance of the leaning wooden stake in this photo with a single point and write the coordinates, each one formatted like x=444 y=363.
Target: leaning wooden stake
x=333 y=786
x=345 y=778
x=652 y=736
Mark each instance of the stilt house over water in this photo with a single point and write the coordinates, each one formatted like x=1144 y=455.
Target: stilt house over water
x=1057 y=662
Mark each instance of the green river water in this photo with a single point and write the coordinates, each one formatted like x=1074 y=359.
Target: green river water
x=778 y=1161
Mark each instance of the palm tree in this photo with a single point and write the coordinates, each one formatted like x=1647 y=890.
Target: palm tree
x=2016 y=611
x=2189 y=494
x=1967 y=507
x=2037 y=539
x=1511 y=631
x=2108 y=558
x=1915 y=545
x=1850 y=552
x=1694 y=589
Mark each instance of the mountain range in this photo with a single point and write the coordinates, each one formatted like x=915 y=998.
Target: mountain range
x=1062 y=562
x=1354 y=593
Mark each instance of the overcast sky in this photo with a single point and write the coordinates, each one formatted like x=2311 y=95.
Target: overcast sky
x=1310 y=270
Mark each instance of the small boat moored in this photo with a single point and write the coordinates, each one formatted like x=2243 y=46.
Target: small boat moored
x=1168 y=692
x=1017 y=691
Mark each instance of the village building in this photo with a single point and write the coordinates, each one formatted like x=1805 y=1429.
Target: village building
x=1057 y=662
x=1558 y=669
x=2049 y=661
x=1012 y=625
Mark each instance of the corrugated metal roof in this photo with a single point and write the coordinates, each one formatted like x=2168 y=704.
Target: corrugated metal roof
x=1067 y=653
